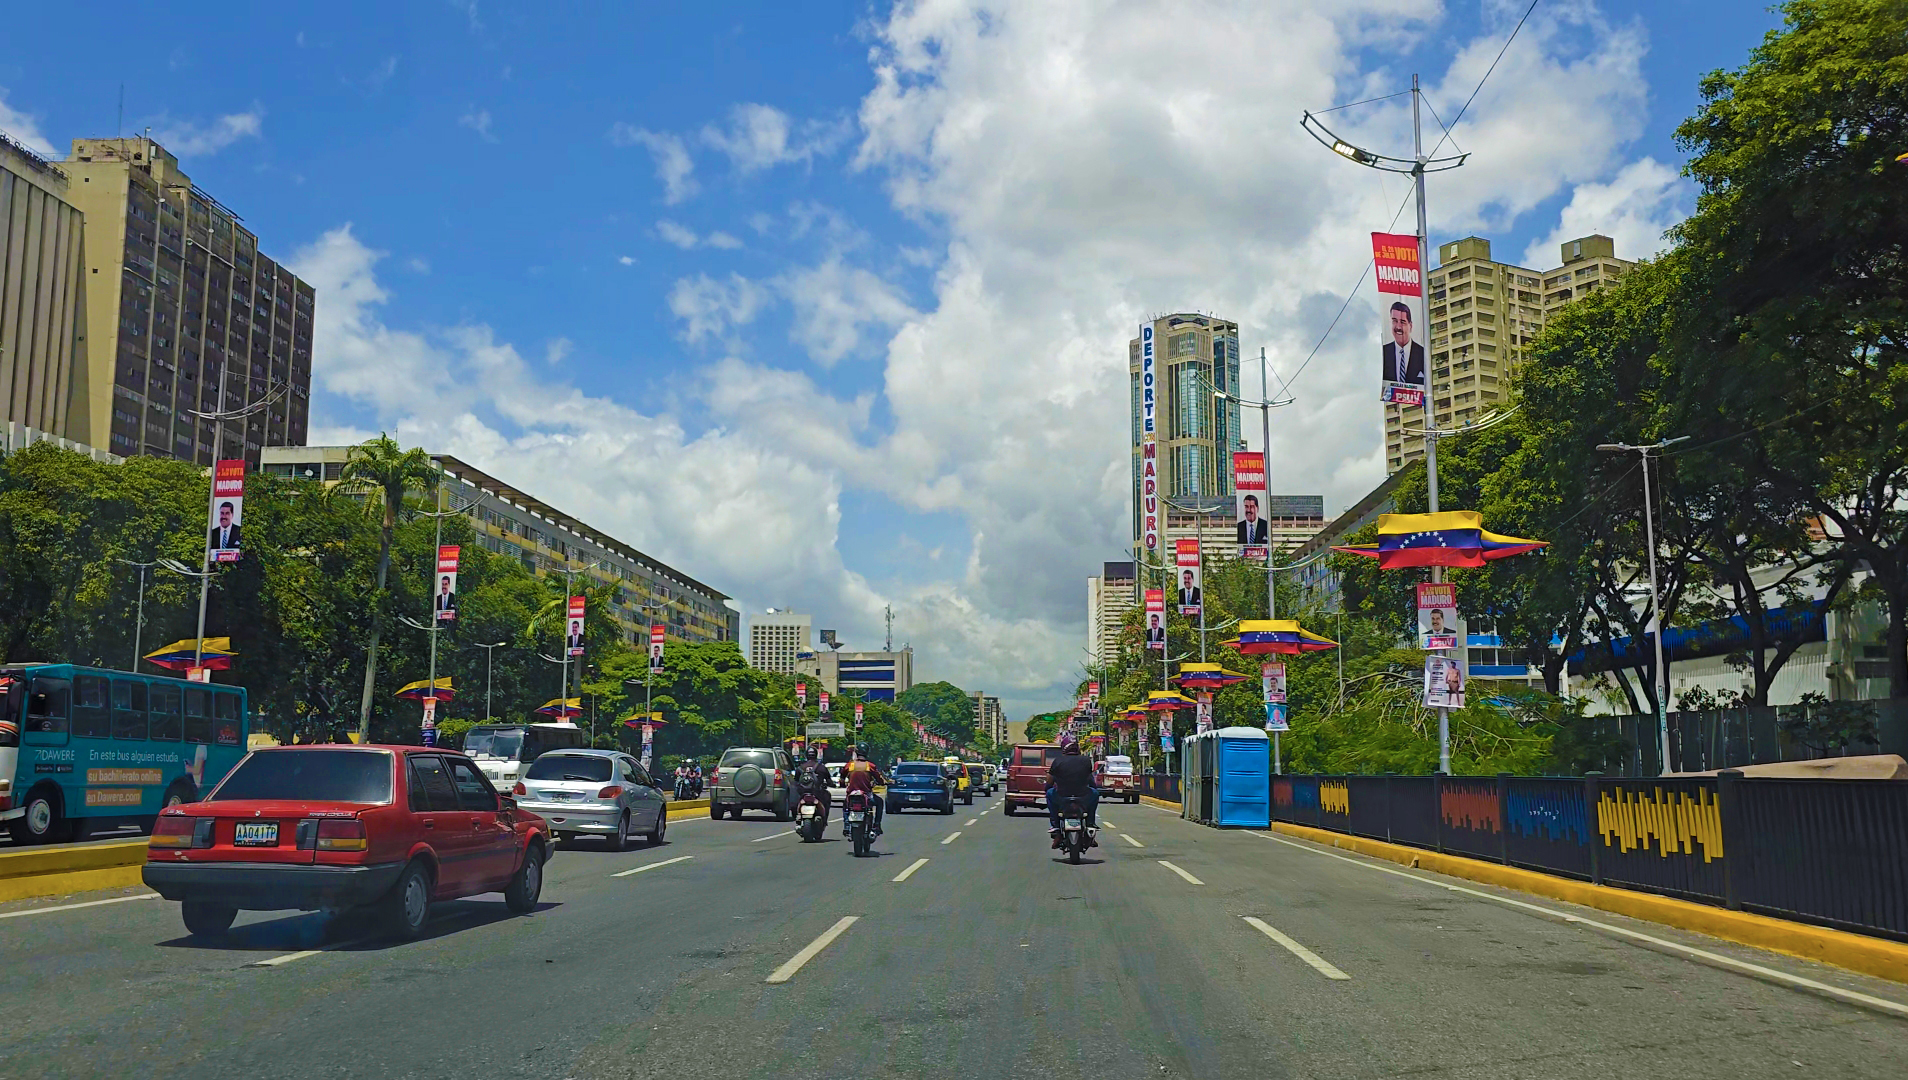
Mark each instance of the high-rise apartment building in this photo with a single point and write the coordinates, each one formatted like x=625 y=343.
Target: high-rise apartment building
x=878 y=676
x=42 y=248
x=1109 y=597
x=1196 y=433
x=988 y=719
x=179 y=302
x=777 y=639
x=1484 y=314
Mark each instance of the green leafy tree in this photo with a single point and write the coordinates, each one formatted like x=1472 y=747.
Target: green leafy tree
x=383 y=473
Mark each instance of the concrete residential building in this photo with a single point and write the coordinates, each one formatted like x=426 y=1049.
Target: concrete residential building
x=988 y=719
x=178 y=300
x=1109 y=597
x=1196 y=433
x=777 y=639
x=1484 y=314
x=547 y=541
x=879 y=676
x=42 y=291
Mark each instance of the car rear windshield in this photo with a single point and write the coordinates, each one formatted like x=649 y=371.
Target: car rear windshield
x=351 y=776
x=1036 y=755
x=739 y=758
x=586 y=767
x=918 y=770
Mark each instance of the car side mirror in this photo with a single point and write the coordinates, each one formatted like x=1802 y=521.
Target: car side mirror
x=505 y=803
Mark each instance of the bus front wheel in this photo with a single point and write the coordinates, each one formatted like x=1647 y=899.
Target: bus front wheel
x=43 y=823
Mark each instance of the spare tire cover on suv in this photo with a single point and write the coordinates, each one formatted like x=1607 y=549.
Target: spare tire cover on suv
x=749 y=781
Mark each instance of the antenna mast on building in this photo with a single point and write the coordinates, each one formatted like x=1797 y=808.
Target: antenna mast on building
x=888 y=645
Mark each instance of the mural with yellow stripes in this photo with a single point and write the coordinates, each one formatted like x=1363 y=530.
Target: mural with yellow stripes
x=1676 y=821
x=1334 y=797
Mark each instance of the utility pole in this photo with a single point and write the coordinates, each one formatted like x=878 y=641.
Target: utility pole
x=139 y=620
x=489 y=667
x=1660 y=683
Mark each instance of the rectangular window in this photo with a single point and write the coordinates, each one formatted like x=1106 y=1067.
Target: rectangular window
x=90 y=716
x=129 y=709
x=198 y=723
x=166 y=721
x=431 y=788
x=49 y=701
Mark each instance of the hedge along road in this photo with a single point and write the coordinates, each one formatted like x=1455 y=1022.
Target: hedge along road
x=991 y=958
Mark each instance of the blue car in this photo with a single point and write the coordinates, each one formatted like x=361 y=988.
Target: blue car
x=920 y=785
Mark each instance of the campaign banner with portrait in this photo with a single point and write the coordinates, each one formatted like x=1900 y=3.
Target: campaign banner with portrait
x=1437 y=616
x=1276 y=716
x=1249 y=504
x=444 y=587
x=801 y=695
x=656 y=649
x=1272 y=681
x=1188 y=574
x=573 y=633
x=857 y=716
x=1202 y=712
x=1401 y=322
x=227 y=512
x=1156 y=619
x=1443 y=683
x=1149 y=444
x=821 y=702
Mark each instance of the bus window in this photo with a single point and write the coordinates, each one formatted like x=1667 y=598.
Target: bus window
x=12 y=697
x=48 y=703
x=90 y=718
x=129 y=709
x=198 y=719
x=225 y=708
x=165 y=711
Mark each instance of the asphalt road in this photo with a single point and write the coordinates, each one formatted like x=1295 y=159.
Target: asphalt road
x=989 y=959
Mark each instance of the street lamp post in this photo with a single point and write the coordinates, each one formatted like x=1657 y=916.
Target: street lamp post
x=489 y=659
x=569 y=582
x=218 y=417
x=1661 y=682
x=1265 y=406
x=139 y=620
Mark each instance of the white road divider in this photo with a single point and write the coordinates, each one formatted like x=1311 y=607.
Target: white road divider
x=771 y=836
x=812 y=949
x=1317 y=962
x=654 y=865
x=909 y=872
x=955 y=835
x=972 y=820
x=1190 y=880
x=76 y=907
x=1131 y=841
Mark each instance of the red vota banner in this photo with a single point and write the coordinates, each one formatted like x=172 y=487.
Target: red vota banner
x=228 y=509
x=1400 y=275
x=1395 y=256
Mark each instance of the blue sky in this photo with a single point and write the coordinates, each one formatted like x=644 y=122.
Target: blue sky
x=865 y=343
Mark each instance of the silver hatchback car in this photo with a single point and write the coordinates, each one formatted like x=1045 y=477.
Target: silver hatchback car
x=594 y=793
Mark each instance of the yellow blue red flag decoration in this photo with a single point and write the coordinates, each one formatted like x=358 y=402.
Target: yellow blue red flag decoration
x=1450 y=538
x=561 y=707
x=215 y=655
x=1206 y=677
x=1167 y=701
x=1259 y=637
x=422 y=689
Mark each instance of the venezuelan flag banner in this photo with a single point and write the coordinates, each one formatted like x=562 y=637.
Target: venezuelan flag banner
x=1273 y=636
x=1450 y=538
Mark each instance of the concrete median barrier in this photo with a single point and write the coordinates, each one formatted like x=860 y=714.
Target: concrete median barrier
x=71 y=868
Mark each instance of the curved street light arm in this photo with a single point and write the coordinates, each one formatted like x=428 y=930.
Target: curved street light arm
x=1370 y=159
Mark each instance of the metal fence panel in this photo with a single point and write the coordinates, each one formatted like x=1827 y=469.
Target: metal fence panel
x=1370 y=806
x=1833 y=851
x=1414 y=810
x=1469 y=818
x=1163 y=786
x=1663 y=835
x=1334 y=804
x=1295 y=799
x=1547 y=824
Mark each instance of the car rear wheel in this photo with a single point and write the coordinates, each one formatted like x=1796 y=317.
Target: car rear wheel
x=948 y=806
x=715 y=810
x=408 y=904
x=662 y=824
x=1132 y=800
x=621 y=840
x=1007 y=807
x=527 y=884
x=203 y=919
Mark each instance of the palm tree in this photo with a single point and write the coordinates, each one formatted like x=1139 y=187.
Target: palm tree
x=382 y=468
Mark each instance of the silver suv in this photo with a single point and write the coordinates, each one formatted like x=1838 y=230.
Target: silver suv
x=753 y=778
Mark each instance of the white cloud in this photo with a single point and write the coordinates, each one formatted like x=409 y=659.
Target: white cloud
x=24 y=128
x=719 y=239
x=627 y=260
x=189 y=139
x=676 y=234
x=417 y=264
x=711 y=308
x=762 y=136
x=478 y=120
x=673 y=165
x=834 y=301
x=1638 y=205
x=558 y=350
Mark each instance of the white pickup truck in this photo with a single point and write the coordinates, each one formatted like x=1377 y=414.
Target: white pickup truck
x=1114 y=777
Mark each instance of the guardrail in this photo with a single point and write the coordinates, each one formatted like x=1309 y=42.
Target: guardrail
x=1161 y=786
x=1833 y=852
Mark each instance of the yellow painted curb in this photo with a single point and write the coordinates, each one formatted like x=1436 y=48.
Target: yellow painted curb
x=688 y=808
x=76 y=881
x=1161 y=803
x=1855 y=952
x=75 y=868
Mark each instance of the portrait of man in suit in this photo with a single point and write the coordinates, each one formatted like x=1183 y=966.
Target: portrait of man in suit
x=1253 y=530
x=225 y=535
x=1155 y=633
x=1411 y=370
x=1189 y=595
x=445 y=602
x=576 y=637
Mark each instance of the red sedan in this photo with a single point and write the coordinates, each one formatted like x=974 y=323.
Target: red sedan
x=329 y=828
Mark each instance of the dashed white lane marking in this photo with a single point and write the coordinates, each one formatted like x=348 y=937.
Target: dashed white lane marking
x=1317 y=962
x=287 y=958
x=812 y=949
x=1131 y=841
x=971 y=820
x=772 y=836
x=1881 y=1004
x=953 y=836
x=652 y=866
x=905 y=874
x=76 y=907
x=1189 y=878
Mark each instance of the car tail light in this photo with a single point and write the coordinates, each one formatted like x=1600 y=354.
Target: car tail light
x=778 y=776
x=519 y=789
x=341 y=834
x=609 y=792
x=174 y=831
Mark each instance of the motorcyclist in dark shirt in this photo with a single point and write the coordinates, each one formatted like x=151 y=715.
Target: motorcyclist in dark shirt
x=1070 y=775
x=811 y=778
x=860 y=774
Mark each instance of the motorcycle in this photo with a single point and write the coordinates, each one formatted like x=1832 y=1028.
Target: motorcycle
x=1075 y=834
x=811 y=818
x=858 y=811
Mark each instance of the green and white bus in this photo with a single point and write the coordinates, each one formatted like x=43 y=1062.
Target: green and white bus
x=87 y=749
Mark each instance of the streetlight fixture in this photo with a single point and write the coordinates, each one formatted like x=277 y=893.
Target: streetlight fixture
x=1265 y=408
x=139 y=620
x=1661 y=682
x=489 y=664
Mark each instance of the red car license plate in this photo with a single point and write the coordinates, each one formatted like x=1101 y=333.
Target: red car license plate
x=255 y=834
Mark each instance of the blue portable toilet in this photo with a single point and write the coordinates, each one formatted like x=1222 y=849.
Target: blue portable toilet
x=1242 y=777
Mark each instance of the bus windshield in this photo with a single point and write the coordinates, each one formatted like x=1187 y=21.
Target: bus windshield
x=500 y=743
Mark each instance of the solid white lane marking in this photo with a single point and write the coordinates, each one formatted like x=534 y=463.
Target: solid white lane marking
x=772 y=836
x=787 y=971
x=1131 y=841
x=1883 y=1004
x=76 y=907
x=903 y=875
x=287 y=958
x=972 y=820
x=955 y=835
x=654 y=865
x=1318 y=963
x=1181 y=873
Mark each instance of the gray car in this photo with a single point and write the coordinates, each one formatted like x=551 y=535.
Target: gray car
x=594 y=793
x=753 y=778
